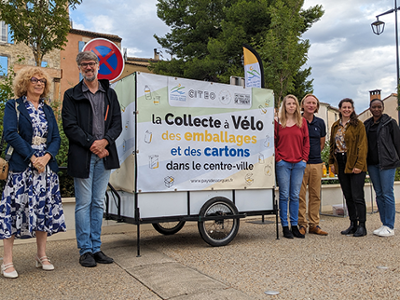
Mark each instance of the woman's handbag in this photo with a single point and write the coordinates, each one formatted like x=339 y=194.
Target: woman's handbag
x=4 y=162
x=4 y=169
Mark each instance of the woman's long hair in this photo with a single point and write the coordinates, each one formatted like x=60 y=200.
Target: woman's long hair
x=353 y=116
x=297 y=115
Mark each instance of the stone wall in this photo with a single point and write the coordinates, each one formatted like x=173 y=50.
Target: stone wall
x=18 y=51
x=20 y=55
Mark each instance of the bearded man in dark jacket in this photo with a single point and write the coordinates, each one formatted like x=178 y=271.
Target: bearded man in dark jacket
x=92 y=122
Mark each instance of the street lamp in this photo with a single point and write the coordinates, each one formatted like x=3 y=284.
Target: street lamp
x=378 y=27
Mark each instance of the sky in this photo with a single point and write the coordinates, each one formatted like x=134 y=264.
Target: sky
x=347 y=59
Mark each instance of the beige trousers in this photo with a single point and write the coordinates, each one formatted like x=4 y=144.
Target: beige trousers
x=312 y=179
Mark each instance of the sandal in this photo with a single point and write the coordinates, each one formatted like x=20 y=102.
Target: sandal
x=46 y=267
x=12 y=274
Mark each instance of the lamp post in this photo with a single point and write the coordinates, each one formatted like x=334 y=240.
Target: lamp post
x=378 y=27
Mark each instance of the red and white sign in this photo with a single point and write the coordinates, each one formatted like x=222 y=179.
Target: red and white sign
x=111 y=60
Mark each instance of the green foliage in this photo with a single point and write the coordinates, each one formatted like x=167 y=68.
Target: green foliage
x=193 y=23
x=207 y=36
x=62 y=156
x=66 y=181
x=245 y=22
x=67 y=188
x=6 y=92
x=325 y=154
x=310 y=16
x=397 y=175
x=301 y=85
x=325 y=160
x=41 y=24
x=284 y=52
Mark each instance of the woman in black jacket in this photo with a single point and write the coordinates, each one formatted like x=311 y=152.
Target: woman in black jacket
x=383 y=158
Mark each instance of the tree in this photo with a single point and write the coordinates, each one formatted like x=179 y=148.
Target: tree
x=43 y=25
x=301 y=84
x=245 y=22
x=193 y=23
x=282 y=50
x=215 y=52
x=206 y=36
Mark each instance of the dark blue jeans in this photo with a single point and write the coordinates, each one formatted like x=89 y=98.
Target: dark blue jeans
x=353 y=190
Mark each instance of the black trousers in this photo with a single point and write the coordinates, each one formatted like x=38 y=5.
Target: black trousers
x=353 y=190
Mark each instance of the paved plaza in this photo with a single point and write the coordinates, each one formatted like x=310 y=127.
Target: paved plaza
x=184 y=267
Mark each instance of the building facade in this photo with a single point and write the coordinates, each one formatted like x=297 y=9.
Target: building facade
x=329 y=114
x=390 y=103
x=19 y=55
x=136 y=64
x=76 y=41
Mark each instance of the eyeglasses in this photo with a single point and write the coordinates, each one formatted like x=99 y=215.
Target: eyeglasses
x=85 y=65
x=34 y=80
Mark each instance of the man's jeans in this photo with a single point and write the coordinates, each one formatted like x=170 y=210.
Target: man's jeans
x=290 y=177
x=89 y=208
x=383 y=181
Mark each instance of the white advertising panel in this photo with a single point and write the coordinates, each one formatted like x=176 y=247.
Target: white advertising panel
x=190 y=93
x=124 y=177
x=195 y=135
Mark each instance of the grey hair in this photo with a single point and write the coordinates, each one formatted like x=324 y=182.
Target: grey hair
x=86 y=55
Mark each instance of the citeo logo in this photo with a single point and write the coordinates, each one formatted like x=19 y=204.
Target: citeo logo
x=200 y=94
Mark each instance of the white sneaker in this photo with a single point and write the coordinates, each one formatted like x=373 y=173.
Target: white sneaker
x=386 y=231
x=376 y=231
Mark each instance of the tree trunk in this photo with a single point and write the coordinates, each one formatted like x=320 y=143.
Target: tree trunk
x=38 y=55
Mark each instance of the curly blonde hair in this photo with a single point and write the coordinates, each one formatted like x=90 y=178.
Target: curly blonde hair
x=297 y=115
x=23 y=80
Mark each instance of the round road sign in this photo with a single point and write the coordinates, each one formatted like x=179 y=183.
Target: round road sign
x=111 y=61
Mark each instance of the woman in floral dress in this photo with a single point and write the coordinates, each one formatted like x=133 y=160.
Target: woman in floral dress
x=31 y=202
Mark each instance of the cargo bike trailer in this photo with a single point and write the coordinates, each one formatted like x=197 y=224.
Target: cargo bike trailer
x=192 y=151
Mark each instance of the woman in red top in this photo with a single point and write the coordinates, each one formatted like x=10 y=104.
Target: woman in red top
x=292 y=147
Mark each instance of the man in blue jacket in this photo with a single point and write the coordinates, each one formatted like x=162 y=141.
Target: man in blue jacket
x=92 y=122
